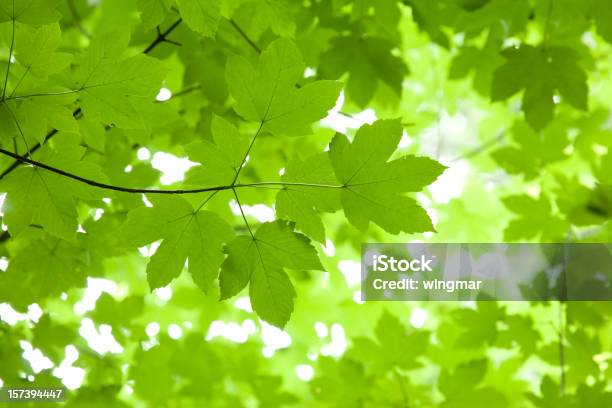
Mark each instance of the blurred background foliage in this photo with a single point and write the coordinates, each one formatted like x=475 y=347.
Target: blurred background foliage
x=512 y=96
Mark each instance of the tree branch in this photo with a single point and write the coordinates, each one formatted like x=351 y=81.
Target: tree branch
x=34 y=148
x=105 y=186
x=160 y=38
x=480 y=148
x=245 y=36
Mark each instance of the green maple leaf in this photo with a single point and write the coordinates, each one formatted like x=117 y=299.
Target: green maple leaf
x=533 y=150
x=153 y=388
x=301 y=203
x=536 y=219
x=465 y=377
x=267 y=94
x=480 y=324
x=602 y=13
x=41 y=266
x=461 y=387
x=201 y=15
x=255 y=16
x=542 y=72
x=39 y=197
x=36 y=115
x=52 y=338
x=196 y=236
x=117 y=90
x=368 y=61
x=153 y=12
x=220 y=160
x=387 y=14
x=521 y=331
x=373 y=186
x=549 y=395
x=481 y=61
x=269 y=392
x=29 y=11
x=382 y=355
x=117 y=313
x=10 y=352
x=342 y=383
x=260 y=261
x=37 y=50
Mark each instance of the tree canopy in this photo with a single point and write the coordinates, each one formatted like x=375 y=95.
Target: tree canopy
x=186 y=185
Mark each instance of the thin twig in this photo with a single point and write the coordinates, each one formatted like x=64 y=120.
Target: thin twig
x=38 y=95
x=480 y=149
x=25 y=141
x=161 y=37
x=245 y=36
x=77 y=18
x=19 y=82
x=182 y=92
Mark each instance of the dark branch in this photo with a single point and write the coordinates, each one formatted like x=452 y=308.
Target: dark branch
x=245 y=36
x=34 y=148
x=105 y=186
x=161 y=36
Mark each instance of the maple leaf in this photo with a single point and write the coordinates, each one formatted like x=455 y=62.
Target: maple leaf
x=260 y=262
x=188 y=234
x=373 y=186
x=267 y=94
x=542 y=72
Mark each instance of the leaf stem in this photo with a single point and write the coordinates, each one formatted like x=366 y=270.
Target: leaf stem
x=68 y=92
x=242 y=213
x=8 y=66
x=25 y=142
x=205 y=201
x=239 y=169
x=25 y=73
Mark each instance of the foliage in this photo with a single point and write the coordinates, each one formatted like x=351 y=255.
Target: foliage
x=309 y=128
